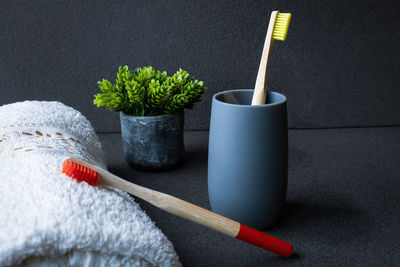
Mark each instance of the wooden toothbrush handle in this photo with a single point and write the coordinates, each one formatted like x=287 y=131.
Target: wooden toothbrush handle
x=260 y=89
x=221 y=224
x=199 y=215
x=194 y=213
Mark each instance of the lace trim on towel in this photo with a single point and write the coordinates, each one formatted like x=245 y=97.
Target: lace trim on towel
x=14 y=142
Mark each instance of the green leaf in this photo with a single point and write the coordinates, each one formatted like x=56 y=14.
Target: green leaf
x=144 y=75
x=135 y=91
x=146 y=92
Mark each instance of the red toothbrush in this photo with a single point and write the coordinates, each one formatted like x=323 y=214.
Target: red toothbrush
x=93 y=175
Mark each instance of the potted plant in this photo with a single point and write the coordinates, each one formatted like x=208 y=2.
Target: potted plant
x=151 y=108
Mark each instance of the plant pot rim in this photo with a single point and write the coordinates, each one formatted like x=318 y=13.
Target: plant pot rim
x=155 y=117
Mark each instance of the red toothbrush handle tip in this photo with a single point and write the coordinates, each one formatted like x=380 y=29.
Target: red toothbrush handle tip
x=265 y=241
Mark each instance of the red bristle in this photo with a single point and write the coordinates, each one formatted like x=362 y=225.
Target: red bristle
x=66 y=168
x=80 y=173
x=77 y=173
x=74 y=172
x=86 y=176
x=95 y=176
x=70 y=169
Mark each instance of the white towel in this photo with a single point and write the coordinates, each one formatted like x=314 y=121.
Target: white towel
x=47 y=218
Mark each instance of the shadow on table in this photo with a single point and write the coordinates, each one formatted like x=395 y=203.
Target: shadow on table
x=195 y=158
x=335 y=222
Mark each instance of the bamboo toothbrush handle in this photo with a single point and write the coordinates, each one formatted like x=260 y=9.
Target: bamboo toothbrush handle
x=194 y=213
x=260 y=89
x=220 y=223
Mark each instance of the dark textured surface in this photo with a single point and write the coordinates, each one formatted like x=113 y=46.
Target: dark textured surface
x=338 y=67
x=343 y=201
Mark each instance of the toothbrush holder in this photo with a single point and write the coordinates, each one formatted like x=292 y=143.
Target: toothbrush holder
x=248 y=157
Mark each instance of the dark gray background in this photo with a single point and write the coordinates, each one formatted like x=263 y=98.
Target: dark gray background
x=339 y=66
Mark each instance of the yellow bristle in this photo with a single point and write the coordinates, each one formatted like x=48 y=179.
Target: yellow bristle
x=281 y=26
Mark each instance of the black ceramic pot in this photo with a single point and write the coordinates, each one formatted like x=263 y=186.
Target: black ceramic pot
x=154 y=142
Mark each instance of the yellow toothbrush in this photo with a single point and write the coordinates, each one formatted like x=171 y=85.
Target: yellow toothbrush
x=277 y=30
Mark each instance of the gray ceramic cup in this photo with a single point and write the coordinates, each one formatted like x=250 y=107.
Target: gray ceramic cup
x=248 y=157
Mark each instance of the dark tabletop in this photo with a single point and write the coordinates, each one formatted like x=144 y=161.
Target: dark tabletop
x=342 y=205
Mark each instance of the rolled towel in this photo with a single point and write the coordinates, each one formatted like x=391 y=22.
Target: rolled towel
x=49 y=219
